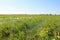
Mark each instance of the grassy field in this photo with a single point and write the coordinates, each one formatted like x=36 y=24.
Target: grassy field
x=29 y=27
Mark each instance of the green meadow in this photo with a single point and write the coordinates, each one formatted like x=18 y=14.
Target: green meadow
x=29 y=27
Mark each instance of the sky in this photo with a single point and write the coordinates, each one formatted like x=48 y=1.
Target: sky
x=29 y=6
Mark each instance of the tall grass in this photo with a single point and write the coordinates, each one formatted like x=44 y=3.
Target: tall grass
x=29 y=27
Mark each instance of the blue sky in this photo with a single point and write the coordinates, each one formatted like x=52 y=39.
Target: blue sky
x=30 y=6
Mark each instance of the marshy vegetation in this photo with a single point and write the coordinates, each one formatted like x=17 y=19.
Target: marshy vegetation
x=29 y=27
